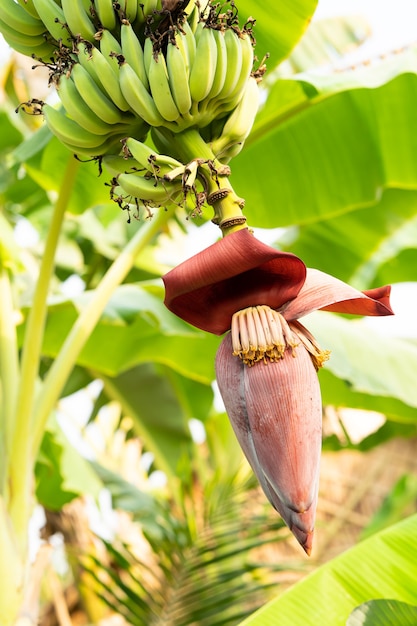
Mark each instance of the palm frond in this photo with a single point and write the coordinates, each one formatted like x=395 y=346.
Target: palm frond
x=203 y=570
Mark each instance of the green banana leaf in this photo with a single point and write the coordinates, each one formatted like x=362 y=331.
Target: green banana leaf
x=361 y=240
x=356 y=348
x=383 y=566
x=396 y=259
x=46 y=168
x=383 y=613
x=398 y=504
x=160 y=404
x=61 y=473
x=139 y=329
x=339 y=392
x=326 y=154
x=279 y=25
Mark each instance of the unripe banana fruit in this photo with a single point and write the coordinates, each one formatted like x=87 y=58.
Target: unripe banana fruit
x=118 y=75
x=239 y=123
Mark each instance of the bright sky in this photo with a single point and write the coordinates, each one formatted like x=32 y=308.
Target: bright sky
x=393 y=23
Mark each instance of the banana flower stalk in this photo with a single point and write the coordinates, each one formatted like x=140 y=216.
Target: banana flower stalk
x=266 y=367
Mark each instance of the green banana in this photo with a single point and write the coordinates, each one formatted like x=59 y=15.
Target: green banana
x=239 y=124
x=221 y=65
x=36 y=47
x=230 y=152
x=110 y=48
x=204 y=66
x=68 y=131
x=78 y=110
x=194 y=17
x=148 y=7
x=160 y=88
x=108 y=80
x=147 y=54
x=234 y=63
x=84 y=57
x=93 y=96
x=109 y=145
x=246 y=65
x=132 y=51
x=142 y=153
x=116 y=164
x=78 y=19
x=138 y=97
x=129 y=9
x=149 y=159
x=29 y=7
x=145 y=189
x=106 y=14
x=178 y=78
x=186 y=43
x=20 y=20
x=189 y=8
x=53 y=17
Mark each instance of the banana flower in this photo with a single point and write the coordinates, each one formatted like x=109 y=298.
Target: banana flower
x=266 y=367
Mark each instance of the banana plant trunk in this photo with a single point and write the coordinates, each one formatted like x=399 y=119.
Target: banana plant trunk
x=13 y=568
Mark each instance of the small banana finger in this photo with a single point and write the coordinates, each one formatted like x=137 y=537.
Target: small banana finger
x=78 y=19
x=94 y=97
x=132 y=51
x=160 y=88
x=147 y=190
x=68 y=131
x=53 y=17
x=239 y=124
x=78 y=109
x=138 y=97
x=204 y=66
x=178 y=78
x=149 y=159
x=106 y=14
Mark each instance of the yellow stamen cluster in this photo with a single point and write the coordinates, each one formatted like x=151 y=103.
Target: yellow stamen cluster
x=261 y=334
x=318 y=356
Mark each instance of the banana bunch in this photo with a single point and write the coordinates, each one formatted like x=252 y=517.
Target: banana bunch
x=118 y=76
x=142 y=176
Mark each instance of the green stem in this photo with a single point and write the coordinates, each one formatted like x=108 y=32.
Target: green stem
x=227 y=207
x=21 y=459
x=9 y=372
x=86 y=322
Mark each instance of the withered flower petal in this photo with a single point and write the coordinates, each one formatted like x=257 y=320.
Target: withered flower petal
x=324 y=292
x=235 y=272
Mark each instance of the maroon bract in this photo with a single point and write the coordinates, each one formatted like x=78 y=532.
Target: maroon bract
x=236 y=272
x=266 y=367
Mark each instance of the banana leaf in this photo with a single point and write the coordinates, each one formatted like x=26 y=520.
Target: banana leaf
x=383 y=613
x=383 y=566
x=279 y=25
x=329 y=149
